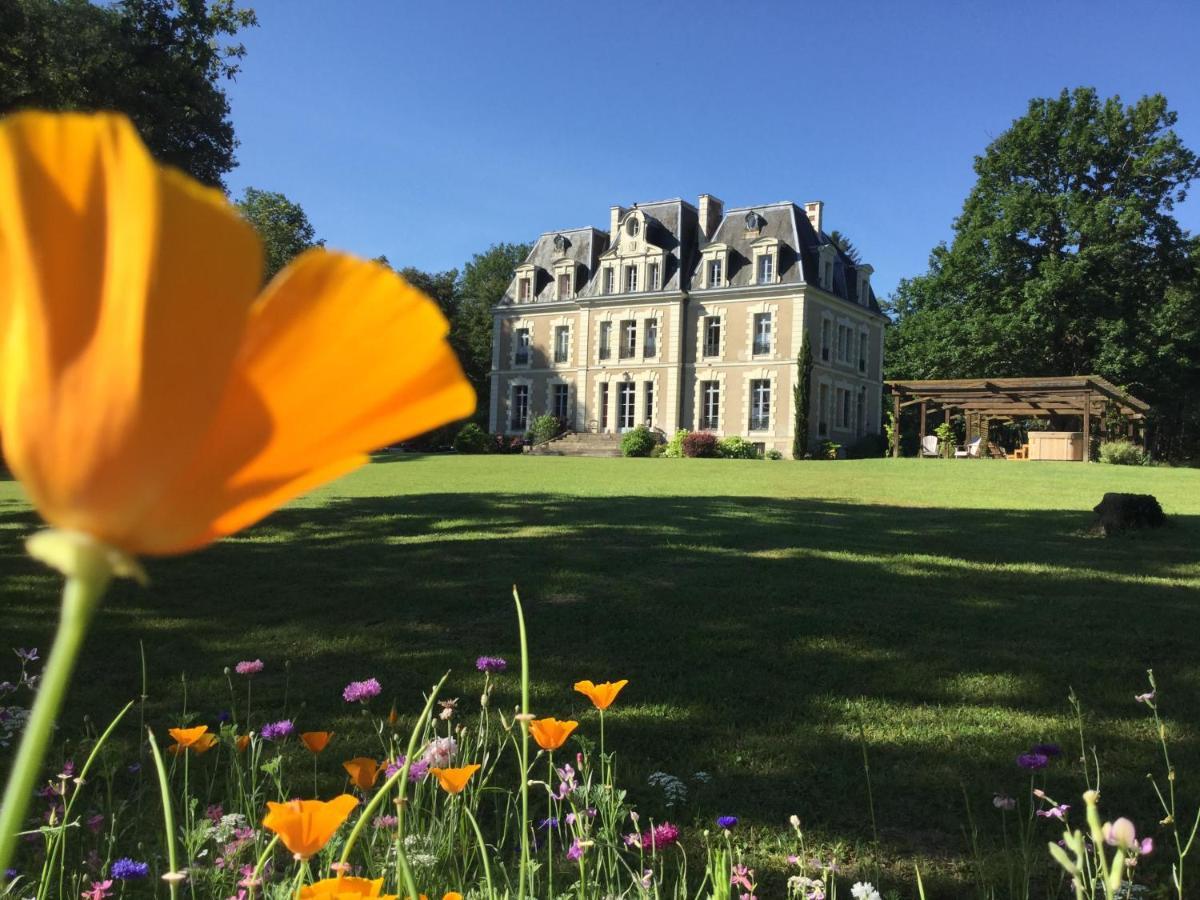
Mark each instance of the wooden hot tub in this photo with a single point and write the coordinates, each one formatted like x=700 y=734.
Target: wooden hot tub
x=1065 y=445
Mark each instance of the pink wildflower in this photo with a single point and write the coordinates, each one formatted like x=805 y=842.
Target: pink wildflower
x=99 y=890
x=249 y=667
x=661 y=836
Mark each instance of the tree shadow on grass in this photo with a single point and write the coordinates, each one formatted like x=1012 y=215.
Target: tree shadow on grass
x=758 y=635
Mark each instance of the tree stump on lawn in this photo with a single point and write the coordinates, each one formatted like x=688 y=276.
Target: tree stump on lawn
x=1128 y=512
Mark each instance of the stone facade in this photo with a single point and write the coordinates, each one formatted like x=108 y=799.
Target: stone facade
x=685 y=316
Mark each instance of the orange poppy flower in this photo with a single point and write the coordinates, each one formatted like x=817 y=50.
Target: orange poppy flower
x=344 y=889
x=316 y=741
x=205 y=743
x=363 y=772
x=601 y=695
x=242 y=741
x=550 y=733
x=188 y=737
x=152 y=396
x=305 y=826
x=452 y=895
x=454 y=780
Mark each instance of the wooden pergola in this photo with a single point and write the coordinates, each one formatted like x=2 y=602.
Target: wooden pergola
x=1087 y=396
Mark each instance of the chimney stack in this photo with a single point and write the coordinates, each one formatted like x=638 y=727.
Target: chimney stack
x=711 y=210
x=614 y=222
x=813 y=210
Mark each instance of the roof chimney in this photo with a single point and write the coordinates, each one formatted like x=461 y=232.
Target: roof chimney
x=813 y=210
x=711 y=210
x=614 y=222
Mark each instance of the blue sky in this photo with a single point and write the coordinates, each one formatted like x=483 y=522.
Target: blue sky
x=428 y=131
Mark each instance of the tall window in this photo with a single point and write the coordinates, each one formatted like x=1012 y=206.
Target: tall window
x=825 y=329
x=710 y=404
x=631 y=273
x=628 y=339
x=604 y=406
x=846 y=408
x=562 y=343
x=520 y=407
x=823 y=410
x=862 y=351
x=766 y=269
x=650 y=342
x=712 y=335
x=561 y=401
x=521 y=357
x=714 y=273
x=608 y=280
x=860 y=411
x=524 y=287
x=648 y=403
x=626 y=401
x=653 y=277
x=605 y=340
x=762 y=334
x=564 y=286
x=760 y=404
x=843 y=349
x=826 y=276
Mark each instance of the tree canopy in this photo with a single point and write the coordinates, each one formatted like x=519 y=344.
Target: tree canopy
x=282 y=225
x=1067 y=258
x=161 y=62
x=480 y=287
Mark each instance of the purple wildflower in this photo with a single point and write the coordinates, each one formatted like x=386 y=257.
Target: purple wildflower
x=575 y=851
x=361 y=691
x=126 y=869
x=551 y=822
x=26 y=655
x=1033 y=761
x=249 y=667
x=277 y=731
x=95 y=823
x=385 y=821
x=418 y=770
x=1055 y=812
x=727 y=822
x=493 y=665
x=1144 y=698
x=1049 y=750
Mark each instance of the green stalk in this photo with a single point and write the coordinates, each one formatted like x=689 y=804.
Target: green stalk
x=521 y=895
x=81 y=599
x=168 y=815
x=256 y=875
x=483 y=852
x=376 y=801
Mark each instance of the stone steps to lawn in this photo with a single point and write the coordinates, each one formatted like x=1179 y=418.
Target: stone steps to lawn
x=580 y=443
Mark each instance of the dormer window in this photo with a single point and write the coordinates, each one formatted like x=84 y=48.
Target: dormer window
x=631 y=279
x=524 y=289
x=608 y=280
x=714 y=273
x=653 y=277
x=633 y=226
x=766 y=269
x=564 y=286
x=754 y=222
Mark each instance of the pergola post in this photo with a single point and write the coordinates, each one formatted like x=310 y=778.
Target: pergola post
x=1087 y=427
x=921 y=442
x=895 y=425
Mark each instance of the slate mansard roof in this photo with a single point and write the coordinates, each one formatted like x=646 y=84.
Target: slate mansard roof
x=673 y=225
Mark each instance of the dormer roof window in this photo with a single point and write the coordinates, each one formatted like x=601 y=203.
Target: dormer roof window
x=633 y=226
x=561 y=243
x=754 y=222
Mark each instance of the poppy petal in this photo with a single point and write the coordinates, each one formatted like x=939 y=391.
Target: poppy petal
x=127 y=287
x=341 y=356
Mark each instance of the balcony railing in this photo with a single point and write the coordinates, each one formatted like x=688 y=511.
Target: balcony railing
x=760 y=423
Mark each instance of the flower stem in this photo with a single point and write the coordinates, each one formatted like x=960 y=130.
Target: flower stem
x=81 y=598
x=521 y=895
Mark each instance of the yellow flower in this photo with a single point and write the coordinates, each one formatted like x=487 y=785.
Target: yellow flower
x=305 y=826
x=601 y=695
x=344 y=889
x=550 y=733
x=151 y=396
x=454 y=780
x=363 y=772
x=316 y=741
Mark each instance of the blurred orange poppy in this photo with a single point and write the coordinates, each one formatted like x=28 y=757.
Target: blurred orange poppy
x=153 y=395
x=242 y=741
x=454 y=780
x=316 y=741
x=305 y=826
x=205 y=743
x=363 y=772
x=344 y=889
x=551 y=733
x=601 y=695
x=187 y=737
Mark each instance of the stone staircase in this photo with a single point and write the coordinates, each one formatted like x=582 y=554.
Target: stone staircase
x=580 y=443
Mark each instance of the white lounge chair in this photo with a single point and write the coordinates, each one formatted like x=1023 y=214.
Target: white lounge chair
x=929 y=445
x=971 y=450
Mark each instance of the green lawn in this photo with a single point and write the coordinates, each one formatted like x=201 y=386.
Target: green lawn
x=761 y=611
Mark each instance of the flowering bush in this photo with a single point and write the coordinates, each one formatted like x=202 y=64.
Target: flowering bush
x=700 y=445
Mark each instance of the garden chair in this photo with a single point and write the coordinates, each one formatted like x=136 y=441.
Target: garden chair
x=929 y=445
x=971 y=450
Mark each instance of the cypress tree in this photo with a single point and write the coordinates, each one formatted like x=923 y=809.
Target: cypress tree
x=801 y=395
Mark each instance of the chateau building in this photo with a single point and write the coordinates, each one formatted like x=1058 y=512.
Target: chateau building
x=683 y=316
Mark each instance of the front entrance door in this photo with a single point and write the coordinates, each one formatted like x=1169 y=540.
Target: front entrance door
x=626 y=392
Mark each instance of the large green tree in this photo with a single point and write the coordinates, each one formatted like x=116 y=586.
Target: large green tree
x=1066 y=259
x=161 y=62
x=283 y=226
x=482 y=284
